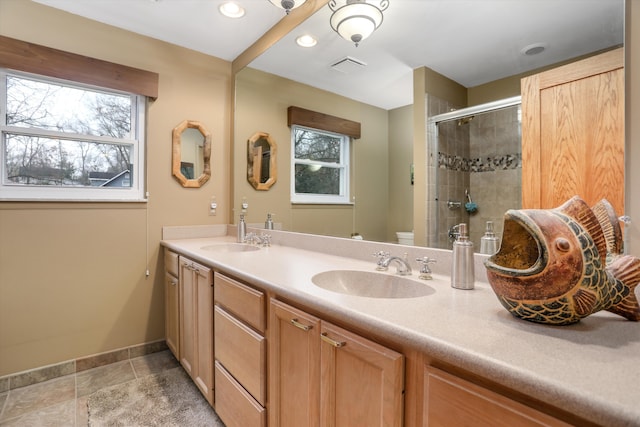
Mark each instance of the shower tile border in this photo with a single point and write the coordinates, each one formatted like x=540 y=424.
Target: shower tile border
x=484 y=164
x=45 y=373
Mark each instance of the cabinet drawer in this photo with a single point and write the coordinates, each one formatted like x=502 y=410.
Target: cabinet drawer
x=234 y=406
x=246 y=303
x=242 y=352
x=171 y=262
x=452 y=401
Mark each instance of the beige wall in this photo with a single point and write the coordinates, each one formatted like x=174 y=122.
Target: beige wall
x=400 y=161
x=72 y=275
x=508 y=86
x=494 y=91
x=444 y=88
x=419 y=156
x=262 y=100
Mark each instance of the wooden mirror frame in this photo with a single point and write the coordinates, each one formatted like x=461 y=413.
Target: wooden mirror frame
x=253 y=172
x=177 y=154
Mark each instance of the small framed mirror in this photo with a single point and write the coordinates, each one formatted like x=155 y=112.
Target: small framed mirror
x=262 y=167
x=191 y=161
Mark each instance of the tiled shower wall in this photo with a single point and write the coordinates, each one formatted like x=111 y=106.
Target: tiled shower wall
x=481 y=155
x=496 y=172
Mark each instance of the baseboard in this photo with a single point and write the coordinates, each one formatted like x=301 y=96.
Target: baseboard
x=45 y=373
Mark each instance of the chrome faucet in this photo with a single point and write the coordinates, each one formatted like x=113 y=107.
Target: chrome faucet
x=425 y=271
x=263 y=240
x=402 y=264
x=382 y=255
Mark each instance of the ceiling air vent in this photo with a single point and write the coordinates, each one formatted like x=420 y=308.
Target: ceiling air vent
x=348 y=65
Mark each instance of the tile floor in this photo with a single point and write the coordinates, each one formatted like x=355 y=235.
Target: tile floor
x=63 y=401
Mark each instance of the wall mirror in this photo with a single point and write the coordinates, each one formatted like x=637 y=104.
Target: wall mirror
x=262 y=169
x=191 y=159
x=384 y=201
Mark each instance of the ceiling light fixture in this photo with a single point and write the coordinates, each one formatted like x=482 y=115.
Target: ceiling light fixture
x=306 y=40
x=356 y=20
x=287 y=5
x=231 y=10
x=533 y=49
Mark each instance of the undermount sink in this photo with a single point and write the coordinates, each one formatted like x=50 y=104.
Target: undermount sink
x=371 y=284
x=230 y=247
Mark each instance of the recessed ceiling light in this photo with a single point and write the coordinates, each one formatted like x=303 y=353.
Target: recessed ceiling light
x=231 y=10
x=533 y=49
x=306 y=41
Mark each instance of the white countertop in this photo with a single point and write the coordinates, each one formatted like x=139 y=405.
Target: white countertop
x=590 y=369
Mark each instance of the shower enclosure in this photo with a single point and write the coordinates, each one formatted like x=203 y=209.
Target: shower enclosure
x=474 y=169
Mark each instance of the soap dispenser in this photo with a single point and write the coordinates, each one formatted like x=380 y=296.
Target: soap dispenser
x=462 y=271
x=489 y=243
x=268 y=224
x=242 y=229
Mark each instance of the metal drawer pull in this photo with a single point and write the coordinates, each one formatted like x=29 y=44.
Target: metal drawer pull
x=299 y=325
x=332 y=342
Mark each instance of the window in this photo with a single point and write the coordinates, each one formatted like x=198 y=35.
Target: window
x=320 y=166
x=67 y=141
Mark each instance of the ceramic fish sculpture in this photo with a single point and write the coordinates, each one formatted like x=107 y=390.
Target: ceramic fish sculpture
x=557 y=266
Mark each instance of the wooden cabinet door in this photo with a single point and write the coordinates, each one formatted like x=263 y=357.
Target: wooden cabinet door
x=573 y=133
x=453 y=402
x=294 y=367
x=188 y=293
x=196 y=324
x=172 y=313
x=204 y=330
x=361 y=382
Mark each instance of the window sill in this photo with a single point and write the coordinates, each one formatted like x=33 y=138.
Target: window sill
x=323 y=203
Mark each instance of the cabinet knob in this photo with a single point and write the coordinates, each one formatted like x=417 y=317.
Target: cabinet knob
x=299 y=325
x=333 y=342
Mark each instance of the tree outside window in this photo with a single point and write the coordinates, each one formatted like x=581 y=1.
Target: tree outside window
x=57 y=135
x=320 y=166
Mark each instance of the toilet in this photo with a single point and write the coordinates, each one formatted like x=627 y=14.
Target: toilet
x=405 y=237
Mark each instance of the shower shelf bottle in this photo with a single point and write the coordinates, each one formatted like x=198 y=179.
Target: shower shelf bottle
x=462 y=270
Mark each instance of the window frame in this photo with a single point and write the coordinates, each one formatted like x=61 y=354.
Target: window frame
x=344 y=198
x=135 y=193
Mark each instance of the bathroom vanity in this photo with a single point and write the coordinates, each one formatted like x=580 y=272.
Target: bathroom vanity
x=287 y=352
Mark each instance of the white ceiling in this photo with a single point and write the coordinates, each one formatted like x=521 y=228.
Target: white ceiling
x=469 y=41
